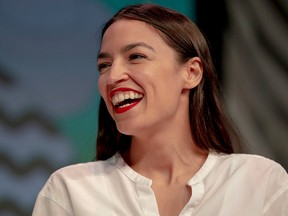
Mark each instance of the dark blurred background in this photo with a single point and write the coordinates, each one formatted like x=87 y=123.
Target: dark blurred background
x=249 y=42
x=48 y=82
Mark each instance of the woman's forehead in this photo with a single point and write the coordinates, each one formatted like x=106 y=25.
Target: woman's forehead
x=131 y=31
x=133 y=27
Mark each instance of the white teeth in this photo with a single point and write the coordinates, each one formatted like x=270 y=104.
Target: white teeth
x=121 y=97
x=132 y=95
x=118 y=98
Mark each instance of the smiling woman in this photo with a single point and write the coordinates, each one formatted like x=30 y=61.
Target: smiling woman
x=165 y=145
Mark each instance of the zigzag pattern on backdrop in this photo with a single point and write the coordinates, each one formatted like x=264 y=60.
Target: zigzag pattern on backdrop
x=29 y=116
x=15 y=167
x=22 y=169
x=31 y=148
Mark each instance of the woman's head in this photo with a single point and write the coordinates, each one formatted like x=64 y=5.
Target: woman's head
x=208 y=122
x=142 y=81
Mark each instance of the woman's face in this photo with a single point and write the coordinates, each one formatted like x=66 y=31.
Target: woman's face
x=139 y=78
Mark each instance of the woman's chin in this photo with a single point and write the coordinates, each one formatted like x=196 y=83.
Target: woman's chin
x=124 y=129
x=128 y=130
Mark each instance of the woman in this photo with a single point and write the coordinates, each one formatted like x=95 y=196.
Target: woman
x=164 y=144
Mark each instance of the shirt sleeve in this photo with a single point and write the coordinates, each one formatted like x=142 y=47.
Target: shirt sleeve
x=53 y=199
x=47 y=207
x=277 y=199
x=279 y=206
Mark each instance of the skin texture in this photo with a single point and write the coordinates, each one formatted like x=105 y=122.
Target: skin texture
x=134 y=56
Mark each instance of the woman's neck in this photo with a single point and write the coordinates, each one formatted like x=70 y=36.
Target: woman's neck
x=166 y=158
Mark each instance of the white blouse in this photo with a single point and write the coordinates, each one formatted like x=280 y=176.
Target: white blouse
x=236 y=184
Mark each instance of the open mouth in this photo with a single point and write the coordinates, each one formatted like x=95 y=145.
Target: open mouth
x=123 y=101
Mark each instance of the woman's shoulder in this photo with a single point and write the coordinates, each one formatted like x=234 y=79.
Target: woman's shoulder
x=251 y=163
x=76 y=182
x=255 y=179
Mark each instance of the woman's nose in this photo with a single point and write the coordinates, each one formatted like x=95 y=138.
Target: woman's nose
x=117 y=73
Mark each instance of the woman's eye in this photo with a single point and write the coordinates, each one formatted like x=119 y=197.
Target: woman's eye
x=102 y=66
x=136 y=56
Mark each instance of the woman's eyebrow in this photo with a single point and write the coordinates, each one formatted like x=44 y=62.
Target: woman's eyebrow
x=133 y=45
x=126 y=48
x=103 y=55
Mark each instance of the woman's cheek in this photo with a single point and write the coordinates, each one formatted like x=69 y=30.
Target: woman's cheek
x=104 y=95
x=101 y=87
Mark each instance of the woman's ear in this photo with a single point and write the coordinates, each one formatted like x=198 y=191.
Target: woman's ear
x=192 y=72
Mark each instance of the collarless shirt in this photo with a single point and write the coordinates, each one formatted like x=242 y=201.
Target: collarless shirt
x=225 y=185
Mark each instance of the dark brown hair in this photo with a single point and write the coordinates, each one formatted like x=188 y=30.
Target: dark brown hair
x=210 y=126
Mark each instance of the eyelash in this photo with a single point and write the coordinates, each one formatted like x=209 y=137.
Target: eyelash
x=136 y=56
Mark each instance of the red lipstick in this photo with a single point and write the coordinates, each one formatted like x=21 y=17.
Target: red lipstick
x=119 y=110
x=123 y=108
